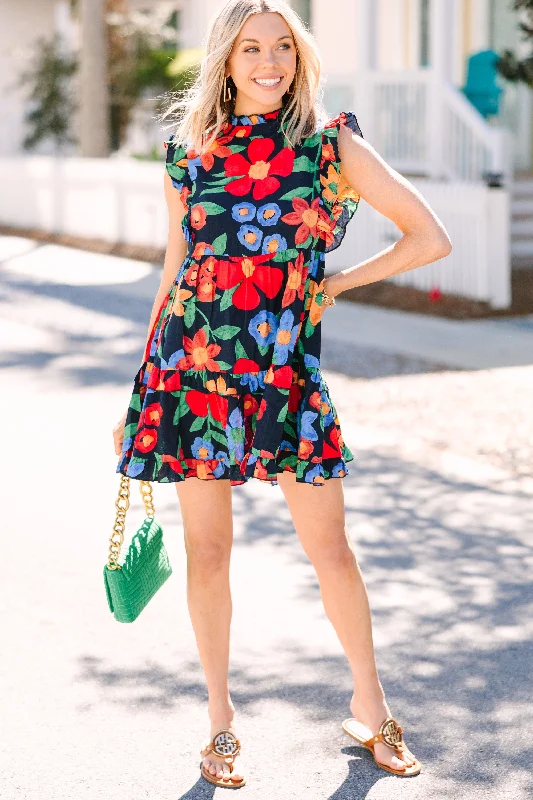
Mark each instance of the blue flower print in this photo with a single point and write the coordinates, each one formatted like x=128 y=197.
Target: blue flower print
x=285 y=445
x=243 y=212
x=202 y=449
x=250 y=236
x=318 y=470
x=274 y=243
x=306 y=422
x=235 y=434
x=264 y=337
x=192 y=164
x=338 y=468
x=254 y=379
x=268 y=214
x=312 y=361
x=173 y=360
x=316 y=258
x=135 y=468
x=328 y=418
x=285 y=337
x=223 y=462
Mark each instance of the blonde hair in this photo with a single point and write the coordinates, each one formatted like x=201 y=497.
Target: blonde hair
x=200 y=112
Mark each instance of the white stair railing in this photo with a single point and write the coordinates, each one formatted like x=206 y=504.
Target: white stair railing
x=423 y=126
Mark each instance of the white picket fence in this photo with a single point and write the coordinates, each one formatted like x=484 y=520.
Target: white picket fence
x=122 y=199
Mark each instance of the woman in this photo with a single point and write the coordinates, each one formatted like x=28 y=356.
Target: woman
x=230 y=386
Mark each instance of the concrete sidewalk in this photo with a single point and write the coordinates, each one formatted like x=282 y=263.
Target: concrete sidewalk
x=95 y=709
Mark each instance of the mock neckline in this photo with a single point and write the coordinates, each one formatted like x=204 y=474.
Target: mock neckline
x=256 y=119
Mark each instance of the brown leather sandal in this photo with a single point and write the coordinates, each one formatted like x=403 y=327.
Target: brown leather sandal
x=390 y=733
x=224 y=743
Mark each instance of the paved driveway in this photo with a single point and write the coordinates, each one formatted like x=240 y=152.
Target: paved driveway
x=440 y=517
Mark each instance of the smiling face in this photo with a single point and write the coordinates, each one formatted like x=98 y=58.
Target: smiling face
x=262 y=63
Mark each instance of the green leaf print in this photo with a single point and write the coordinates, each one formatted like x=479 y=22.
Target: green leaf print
x=158 y=461
x=312 y=141
x=282 y=414
x=197 y=424
x=301 y=191
x=223 y=365
x=219 y=244
x=130 y=429
x=263 y=349
x=213 y=208
x=309 y=328
x=290 y=429
x=190 y=311
x=227 y=301
x=225 y=331
x=308 y=242
x=240 y=352
x=303 y=164
x=219 y=437
x=285 y=255
x=135 y=402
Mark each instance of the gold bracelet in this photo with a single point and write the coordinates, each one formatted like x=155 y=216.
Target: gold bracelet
x=329 y=301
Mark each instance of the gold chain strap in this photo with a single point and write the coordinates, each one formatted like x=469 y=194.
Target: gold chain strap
x=122 y=503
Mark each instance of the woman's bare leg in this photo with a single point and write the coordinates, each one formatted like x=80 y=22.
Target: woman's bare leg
x=318 y=517
x=206 y=509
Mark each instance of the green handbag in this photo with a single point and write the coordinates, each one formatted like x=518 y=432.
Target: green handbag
x=134 y=579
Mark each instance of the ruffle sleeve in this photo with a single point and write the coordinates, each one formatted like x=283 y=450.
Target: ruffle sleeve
x=177 y=166
x=340 y=200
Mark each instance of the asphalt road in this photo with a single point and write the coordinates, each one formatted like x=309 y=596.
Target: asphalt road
x=95 y=709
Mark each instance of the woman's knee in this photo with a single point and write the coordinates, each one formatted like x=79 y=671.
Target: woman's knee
x=207 y=521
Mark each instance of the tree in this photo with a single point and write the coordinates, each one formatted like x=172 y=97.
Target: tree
x=51 y=102
x=509 y=66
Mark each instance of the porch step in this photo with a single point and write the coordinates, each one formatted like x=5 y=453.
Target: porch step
x=522 y=222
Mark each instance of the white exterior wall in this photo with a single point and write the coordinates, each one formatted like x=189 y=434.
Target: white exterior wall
x=22 y=23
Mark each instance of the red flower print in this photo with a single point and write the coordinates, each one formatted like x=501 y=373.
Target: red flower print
x=296 y=278
x=146 y=440
x=198 y=216
x=151 y=415
x=250 y=405
x=294 y=398
x=200 y=403
x=168 y=380
x=262 y=408
x=258 y=174
x=174 y=463
x=200 y=354
x=281 y=377
x=311 y=218
x=249 y=272
x=316 y=400
x=244 y=365
x=328 y=154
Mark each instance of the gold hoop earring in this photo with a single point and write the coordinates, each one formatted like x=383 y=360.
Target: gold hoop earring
x=227 y=91
x=290 y=90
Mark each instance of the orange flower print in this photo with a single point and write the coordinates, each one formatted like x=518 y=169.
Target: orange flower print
x=311 y=219
x=315 y=309
x=145 y=440
x=198 y=216
x=177 y=306
x=151 y=415
x=200 y=354
x=296 y=278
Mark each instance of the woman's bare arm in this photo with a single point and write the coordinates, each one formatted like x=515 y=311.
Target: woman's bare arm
x=424 y=236
x=176 y=247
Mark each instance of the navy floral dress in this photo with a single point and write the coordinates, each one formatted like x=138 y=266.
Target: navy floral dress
x=230 y=385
